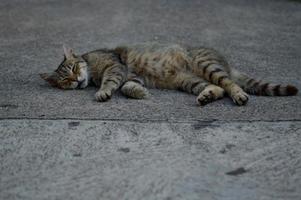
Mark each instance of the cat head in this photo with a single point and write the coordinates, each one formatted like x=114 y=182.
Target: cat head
x=72 y=73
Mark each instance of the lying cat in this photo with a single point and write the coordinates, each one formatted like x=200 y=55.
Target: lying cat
x=199 y=71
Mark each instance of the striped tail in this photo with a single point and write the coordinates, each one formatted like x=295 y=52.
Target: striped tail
x=256 y=87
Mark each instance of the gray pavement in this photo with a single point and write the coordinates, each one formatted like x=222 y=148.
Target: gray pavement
x=64 y=145
x=65 y=159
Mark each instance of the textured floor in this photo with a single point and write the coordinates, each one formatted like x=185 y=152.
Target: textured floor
x=64 y=145
x=47 y=159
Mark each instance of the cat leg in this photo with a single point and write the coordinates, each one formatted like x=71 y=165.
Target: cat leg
x=211 y=68
x=134 y=90
x=195 y=85
x=134 y=87
x=215 y=74
x=209 y=94
x=113 y=77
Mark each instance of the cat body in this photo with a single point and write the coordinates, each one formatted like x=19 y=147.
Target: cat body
x=133 y=69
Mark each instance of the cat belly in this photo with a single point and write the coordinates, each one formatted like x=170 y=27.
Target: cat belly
x=159 y=67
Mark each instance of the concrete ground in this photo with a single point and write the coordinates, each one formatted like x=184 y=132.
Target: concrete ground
x=64 y=145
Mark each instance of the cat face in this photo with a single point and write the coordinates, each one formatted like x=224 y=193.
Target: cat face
x=72 y=73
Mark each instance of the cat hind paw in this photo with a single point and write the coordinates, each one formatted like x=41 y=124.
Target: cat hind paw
x=209 y=94
x=240 y=98
x=134 y=90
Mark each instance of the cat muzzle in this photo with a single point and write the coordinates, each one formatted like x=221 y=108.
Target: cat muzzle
x=80 y=83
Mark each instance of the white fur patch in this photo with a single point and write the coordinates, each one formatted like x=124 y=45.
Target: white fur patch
x=84 y=75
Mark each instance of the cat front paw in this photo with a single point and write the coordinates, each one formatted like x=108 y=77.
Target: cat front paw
x=103 y=95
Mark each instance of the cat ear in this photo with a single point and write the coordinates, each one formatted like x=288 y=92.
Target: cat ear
x=51 y=78
x=68 y=52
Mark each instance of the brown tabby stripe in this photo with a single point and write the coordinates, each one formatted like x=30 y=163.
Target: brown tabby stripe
x=220 y=79
x=213 y=72
x=181 y=87
x=118 y=75
x=207 y=66
x=136 y=80
x=204 y=70
x=186 y=86
x=107 y=67
x=194 y=85
x=115 y=79
x=199 y=86
x=276 y=90
x=255 y=85
x=212 y=61
x=206 y=53
x=111 y=80
x=250 y=81
x=208 y=63
x=264 y=89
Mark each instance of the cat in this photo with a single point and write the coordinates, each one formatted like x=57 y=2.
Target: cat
x=132 y=69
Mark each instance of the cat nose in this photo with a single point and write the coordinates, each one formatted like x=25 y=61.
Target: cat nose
x=80 y=82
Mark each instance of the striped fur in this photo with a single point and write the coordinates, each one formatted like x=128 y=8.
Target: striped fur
x=257 y=87
x=199 y=71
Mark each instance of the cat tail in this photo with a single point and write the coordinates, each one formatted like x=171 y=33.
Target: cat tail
x=258 y=87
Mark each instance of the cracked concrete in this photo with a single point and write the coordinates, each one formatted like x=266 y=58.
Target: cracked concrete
x=64 y=145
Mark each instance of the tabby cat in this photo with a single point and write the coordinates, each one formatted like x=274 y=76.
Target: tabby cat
x=133 y=69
